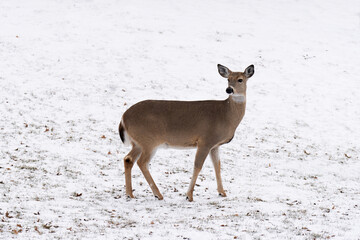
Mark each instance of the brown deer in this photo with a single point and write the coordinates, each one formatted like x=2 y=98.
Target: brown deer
x=206 y=125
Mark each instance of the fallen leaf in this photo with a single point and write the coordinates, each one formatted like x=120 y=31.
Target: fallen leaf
x=47 y=225
x=77 y=194
x=36 y=229
x=7 y=214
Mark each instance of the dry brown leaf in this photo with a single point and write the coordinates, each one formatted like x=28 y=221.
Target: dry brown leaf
x=47 y=225
x=7 y=214
x=36 y=229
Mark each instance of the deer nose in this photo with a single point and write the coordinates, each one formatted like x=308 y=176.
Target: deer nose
x=229 y=90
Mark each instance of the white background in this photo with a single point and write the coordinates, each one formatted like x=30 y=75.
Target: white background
x=69 y=69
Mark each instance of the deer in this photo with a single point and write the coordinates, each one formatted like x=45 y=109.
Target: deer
x=205 y=125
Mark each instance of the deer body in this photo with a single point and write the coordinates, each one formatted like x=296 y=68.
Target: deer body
x=168 y=122
x=202 y=124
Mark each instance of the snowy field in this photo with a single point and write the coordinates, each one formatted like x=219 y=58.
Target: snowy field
x=69 y=69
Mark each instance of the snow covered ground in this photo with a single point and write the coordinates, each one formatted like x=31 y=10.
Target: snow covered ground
x=69 y=69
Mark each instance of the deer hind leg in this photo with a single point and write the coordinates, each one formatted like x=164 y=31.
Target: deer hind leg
x=143 y=164
x=200 y=157
x=214 y=153
x=129 y=161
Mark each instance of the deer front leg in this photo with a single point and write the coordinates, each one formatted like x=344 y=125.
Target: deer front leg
x=214 y=153
x=200 y=157
x=143 y=163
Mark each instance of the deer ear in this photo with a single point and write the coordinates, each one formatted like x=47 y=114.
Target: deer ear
x=249 y=71
x=223 y=71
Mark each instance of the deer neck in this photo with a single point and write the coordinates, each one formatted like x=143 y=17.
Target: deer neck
x=236 y=108
x=238 y=98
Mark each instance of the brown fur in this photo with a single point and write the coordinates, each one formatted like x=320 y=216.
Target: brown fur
x=202 y=124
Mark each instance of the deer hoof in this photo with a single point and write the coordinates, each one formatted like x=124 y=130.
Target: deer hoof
x=129 y=196
x=223 y=194
x=159 y=197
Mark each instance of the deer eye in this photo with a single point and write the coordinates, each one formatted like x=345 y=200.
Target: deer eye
x=240 y=80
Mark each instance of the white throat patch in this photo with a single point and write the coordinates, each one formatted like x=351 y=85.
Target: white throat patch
x=238 y=98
